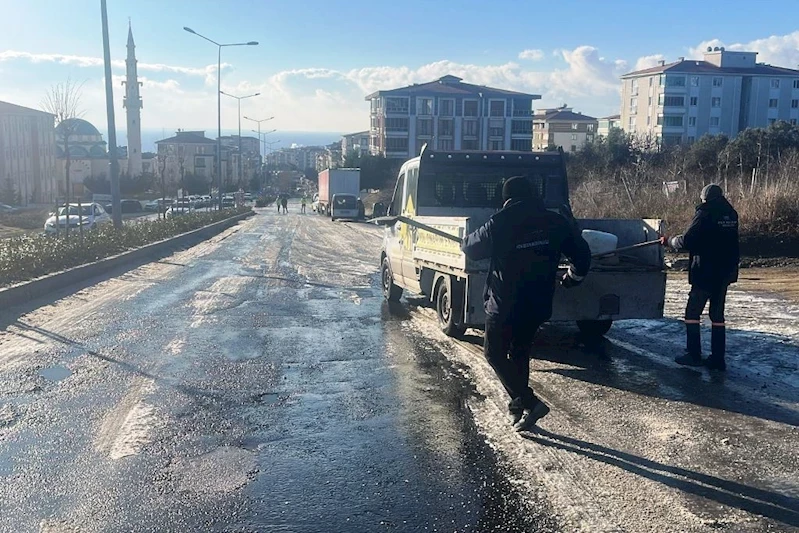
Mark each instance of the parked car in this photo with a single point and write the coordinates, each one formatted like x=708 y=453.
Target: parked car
x=158 y=205
x=228 y=201
x=7 y=208
x=248 y=197
x=89 y=215
x=128 y=206
x=181 y=207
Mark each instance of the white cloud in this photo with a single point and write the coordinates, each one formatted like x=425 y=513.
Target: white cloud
x=778 y=50
x=532 y=55
x=645 y=62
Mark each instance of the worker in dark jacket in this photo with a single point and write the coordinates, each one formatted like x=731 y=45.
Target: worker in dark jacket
x=712 y=243
x=525 y=242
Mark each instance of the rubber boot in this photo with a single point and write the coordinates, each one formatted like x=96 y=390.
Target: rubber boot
x=693 y=352
x=718 y=344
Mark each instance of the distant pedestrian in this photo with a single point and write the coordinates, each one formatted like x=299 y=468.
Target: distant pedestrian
x=524 y=241
x=712 y=244
x=284 y=201
x=304 y=202
x=277 y=203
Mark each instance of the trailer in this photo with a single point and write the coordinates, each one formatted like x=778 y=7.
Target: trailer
x=339 y=181
x=453 y=194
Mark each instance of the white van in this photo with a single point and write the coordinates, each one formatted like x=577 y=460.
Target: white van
x=344 y=206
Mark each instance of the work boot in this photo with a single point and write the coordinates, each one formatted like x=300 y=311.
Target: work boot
x=718 y=345
x=531 y=416
x=689 y=359
x=693 y=339
x=516 y=410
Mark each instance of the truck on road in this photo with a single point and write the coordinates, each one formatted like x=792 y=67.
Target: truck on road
x=455 y=193
x=340 y=182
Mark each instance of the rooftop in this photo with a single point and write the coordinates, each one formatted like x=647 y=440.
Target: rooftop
x=562 y=113
x=712 y=64
x=450 y=85
x=9 y=108
x=78 y=126
x=188 y=137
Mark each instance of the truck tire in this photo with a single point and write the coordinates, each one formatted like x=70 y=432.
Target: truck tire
x=594 y=328
x=448 y=308
x=391 y=292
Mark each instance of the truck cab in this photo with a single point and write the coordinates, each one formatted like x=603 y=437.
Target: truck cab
x=457 y=193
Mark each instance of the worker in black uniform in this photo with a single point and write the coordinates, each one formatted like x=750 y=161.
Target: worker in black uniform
x=525 y=242
x=712 y=244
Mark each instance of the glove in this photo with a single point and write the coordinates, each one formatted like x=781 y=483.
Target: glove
x=664 y=240
x=567 y=282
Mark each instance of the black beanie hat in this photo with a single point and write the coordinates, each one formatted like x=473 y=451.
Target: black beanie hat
x=517 y=188
x=711 y=192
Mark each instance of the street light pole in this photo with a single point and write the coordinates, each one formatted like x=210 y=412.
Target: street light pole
x=219 y=103
x=239 y=99
x=263 y=144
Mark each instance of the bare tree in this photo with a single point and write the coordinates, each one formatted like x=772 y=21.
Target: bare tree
x=63 y=101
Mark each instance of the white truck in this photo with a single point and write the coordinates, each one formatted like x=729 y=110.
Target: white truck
x=337 y=181
x=455 y=193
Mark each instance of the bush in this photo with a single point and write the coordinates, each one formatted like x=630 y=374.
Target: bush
x=28 y=257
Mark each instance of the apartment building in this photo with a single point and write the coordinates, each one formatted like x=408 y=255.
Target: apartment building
x=562 y=127
x=301 y=157
x=448 y=114
x=355 y=142
x=726 y=92
x=605 y=124
x=189 y=152
x=28 y=152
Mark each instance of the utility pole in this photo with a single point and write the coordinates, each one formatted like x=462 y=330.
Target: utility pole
x=239 y=99
x=116 y=204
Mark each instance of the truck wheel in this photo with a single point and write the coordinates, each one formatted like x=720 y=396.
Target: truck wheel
x=391 y=292
x=594 y=328
x=447 y=309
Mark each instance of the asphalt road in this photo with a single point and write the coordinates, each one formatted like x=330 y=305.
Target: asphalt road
x=258 y=382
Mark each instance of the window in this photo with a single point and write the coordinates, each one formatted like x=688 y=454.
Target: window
x=575 y=125
x=714 y=121
x=496 y=145
x=396 y=124
x=775 y=83
x=661 y=99
x=396 y=144
x=521 y=145
x=424 y=106
x=470 y=108
x=397 y=105
x=496 y=128
x=773 y=103
x=675 y=81
x=694 y=101
x=470 y=128
x=574 y=136
x=497 y=108
x=796 y=84
x=589 y=138
x=446 y=127
x=670 y=120
x=717 y=81
x=633 y=108
x=446 y=144
x=648 y=120
x=651 y=81
x=694 y=81
x=589 y=127
x=674 y=101
x=715 y=101
x=520 y=127
x=396 y=202
x=662 y=80
x=649 y=102
x=446 y=108
x=794 y=104
x=631 y=125
x=424 y=126
x=771 y=121
x=692 y=121
x=633 y=86
x=574 y=148
x=469 y=145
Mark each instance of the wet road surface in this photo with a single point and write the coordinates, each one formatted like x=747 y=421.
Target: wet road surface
x=257 y=382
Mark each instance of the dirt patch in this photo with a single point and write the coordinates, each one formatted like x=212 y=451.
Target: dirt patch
x=779 y=281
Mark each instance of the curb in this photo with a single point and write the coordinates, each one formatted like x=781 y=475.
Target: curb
x=28 y=290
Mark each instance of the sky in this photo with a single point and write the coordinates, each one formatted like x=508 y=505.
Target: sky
x=316 y=60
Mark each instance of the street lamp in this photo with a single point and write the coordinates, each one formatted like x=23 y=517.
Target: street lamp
x=239 y=99
x=270 y=143
x=219 y=102
x=259 y=129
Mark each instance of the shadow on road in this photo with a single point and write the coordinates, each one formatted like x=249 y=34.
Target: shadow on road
x=769 y=504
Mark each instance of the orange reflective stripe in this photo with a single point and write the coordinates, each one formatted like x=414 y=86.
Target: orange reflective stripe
x=718 y=324
x=692 y=321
